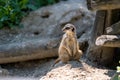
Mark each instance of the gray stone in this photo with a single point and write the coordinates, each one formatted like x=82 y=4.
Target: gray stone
x=41 y=32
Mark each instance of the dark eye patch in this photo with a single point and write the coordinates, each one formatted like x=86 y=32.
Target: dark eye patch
x=67 y=28
x=73 y=29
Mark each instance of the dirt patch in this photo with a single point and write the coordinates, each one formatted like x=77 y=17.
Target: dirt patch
x=42 y=70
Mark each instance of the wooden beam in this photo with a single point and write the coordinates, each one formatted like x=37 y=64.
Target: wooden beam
x=114 y=29
x=103 y=4
x=108 y=40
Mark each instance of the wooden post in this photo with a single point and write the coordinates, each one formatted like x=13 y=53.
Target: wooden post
x=103 y=4
x=102 y=55
x=108 y=19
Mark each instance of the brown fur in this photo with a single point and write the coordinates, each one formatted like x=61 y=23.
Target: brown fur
x=69 y=46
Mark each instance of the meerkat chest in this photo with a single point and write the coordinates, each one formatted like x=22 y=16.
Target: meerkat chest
x=71 y=43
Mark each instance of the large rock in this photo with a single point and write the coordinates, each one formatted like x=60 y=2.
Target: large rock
x=41 y=34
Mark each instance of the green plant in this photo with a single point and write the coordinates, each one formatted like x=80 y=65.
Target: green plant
x=12 y=11
x=117 y=74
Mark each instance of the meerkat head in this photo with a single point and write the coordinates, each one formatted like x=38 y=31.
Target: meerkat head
x=69 y=27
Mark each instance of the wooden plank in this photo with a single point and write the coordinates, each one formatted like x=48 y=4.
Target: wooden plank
x=103 y=4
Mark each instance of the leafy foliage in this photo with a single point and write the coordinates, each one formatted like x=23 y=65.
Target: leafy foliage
x=12 y=11
x=117 y=75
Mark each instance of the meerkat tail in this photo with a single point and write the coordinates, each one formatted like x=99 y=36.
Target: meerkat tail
x=56 y=61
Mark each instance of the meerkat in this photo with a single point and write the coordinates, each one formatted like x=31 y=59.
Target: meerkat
x=69 y=46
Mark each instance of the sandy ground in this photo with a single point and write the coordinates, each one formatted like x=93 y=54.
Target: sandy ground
x=42 y=70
